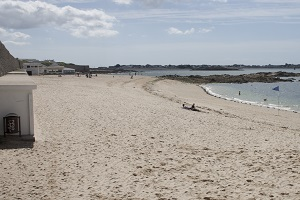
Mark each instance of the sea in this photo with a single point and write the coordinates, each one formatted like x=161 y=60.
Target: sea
x=258 y=94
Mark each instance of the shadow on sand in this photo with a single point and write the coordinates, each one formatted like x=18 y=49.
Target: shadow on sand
x=16 y=142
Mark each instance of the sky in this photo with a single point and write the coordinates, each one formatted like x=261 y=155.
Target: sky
x=102 y=33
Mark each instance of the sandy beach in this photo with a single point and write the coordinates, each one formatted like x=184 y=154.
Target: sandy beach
x=120 y=138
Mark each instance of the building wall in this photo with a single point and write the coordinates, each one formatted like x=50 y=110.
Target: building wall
x=20 y=103
x=7 y=62
x=34 y=68
x=79 y=68
x=68 y=71
x=16 y=97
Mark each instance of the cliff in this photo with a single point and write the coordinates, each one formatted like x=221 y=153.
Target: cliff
x=7 y=62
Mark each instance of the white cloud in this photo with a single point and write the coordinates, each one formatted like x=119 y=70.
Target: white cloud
x=16 y=43
x=175 y=31
x=205 y=30
x=147 y=3
x=17 y=38
x=33 y=14
x=222 y=1
x=156 y=3
x=127 y=2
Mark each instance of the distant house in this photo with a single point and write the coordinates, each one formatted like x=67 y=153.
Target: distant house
x=79 y=68
x=68 y=71
x=54 y=68
x=34 y=68
x=37 y=68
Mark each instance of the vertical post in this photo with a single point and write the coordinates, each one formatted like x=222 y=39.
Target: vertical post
x=278 y=102
x=277 y=89
x=19 y=126
x=4 y=128
x=31 y=115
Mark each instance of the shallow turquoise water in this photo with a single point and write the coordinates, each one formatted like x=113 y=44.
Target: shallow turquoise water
x=287 y=98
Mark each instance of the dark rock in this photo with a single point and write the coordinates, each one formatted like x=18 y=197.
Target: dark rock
x=7 y=62
x=265 y=77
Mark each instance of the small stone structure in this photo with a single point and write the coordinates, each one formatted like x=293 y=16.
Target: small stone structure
x=16 y=97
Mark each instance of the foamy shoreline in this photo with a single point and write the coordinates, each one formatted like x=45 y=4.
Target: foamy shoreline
x=209 y=92
x=120 y=138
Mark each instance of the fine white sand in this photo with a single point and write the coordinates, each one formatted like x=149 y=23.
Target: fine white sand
x=120 y=138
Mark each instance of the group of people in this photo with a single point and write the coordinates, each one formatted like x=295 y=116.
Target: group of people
x=89 y=75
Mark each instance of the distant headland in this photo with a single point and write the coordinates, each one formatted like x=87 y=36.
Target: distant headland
x=265 y=77
x=118 y=68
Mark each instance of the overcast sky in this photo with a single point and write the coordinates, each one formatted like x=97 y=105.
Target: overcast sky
x=109 y=32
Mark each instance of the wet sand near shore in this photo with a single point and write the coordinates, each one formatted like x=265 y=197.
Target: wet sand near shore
x=120 y=138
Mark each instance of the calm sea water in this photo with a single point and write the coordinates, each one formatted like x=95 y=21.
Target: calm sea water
x=262 y=94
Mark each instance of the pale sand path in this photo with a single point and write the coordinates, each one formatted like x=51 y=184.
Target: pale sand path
x=108 y=138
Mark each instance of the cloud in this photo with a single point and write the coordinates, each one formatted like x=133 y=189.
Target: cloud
x=205 y=30
x=16 y=43
x=175 y=31
x=127 y=2
x=231 y=14
x=16 y=38
x=156 y=3
x=147 y=3
x=221 y=1
x=34 y=14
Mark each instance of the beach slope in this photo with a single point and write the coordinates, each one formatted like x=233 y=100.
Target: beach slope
x=120 y=138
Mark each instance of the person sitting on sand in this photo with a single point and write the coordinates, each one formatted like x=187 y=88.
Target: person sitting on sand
x=193 y=107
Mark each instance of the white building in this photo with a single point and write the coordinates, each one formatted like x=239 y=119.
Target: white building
x=37 y=68
x=54 y=68
x=34 y=68
x=16 y=98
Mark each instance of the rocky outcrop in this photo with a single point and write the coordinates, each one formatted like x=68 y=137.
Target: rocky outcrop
x=7 y=62
x=266 y=77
